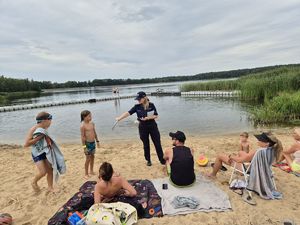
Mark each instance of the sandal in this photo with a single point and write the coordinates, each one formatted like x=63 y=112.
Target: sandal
x=247 y=198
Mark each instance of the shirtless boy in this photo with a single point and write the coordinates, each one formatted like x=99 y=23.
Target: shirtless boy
x=88 y=138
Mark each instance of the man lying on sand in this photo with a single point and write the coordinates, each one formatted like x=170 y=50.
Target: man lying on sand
x=180 y=161
x=111 y=184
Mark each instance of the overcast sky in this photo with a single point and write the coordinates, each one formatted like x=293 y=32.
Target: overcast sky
x=63 y=40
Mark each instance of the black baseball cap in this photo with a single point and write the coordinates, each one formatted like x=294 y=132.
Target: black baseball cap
x=140 y=95
x=178 y=135
x=263 y=137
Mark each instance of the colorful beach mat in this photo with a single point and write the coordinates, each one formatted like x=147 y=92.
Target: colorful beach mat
x=84 y=199
x=286 y=168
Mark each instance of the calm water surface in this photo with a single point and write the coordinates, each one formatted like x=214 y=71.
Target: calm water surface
x=195 y=116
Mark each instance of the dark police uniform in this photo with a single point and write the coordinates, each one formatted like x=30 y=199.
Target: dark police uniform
x=146 y=128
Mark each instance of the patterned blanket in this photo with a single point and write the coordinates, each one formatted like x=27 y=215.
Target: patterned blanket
x=147 y=202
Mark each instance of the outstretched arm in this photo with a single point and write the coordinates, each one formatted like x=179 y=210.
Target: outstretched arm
x=123 y=116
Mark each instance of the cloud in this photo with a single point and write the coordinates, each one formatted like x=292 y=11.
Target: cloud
x=81 y=40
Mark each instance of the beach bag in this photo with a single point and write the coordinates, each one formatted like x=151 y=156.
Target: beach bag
x=118 y=213
x=237 y=184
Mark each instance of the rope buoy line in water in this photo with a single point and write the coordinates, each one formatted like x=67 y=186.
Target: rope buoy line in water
x=94 y=100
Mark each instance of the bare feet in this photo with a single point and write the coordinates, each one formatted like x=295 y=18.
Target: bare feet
x=52 y=190
x=92 y=173
x=86 y=176
x=35 y=187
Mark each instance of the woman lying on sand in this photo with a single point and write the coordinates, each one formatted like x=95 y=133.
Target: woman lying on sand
x=292 y=154
x=111 y=184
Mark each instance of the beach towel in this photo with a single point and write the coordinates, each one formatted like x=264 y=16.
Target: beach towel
x=286 y=168
x=260 y=178
x=84 y=199
x=208 y=196
x=53 y=153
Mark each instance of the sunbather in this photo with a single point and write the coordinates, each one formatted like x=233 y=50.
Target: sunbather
x=292 y=154
x=111 y=184
x=241 y=157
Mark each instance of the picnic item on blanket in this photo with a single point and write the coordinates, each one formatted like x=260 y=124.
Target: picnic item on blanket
x=117 y=213
x=147 y=196
x=181 y=201
x=5 y=219
x=165 y=186
x=202 y=160
x=74 y=218
x=212 y=198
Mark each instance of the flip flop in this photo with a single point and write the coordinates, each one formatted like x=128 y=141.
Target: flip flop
x=247 y=198
x=223 y=168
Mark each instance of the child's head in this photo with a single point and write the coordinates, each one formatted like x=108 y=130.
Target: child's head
x=244 y=136
x=86 y=115
x=44 y=119
x=106 y=171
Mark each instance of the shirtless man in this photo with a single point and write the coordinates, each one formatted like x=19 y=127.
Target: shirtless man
x=111 y=184
x=88 y=138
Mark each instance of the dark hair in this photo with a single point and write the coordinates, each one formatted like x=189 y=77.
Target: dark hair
x=84 y=114
x=43 y=116
x=106 y=171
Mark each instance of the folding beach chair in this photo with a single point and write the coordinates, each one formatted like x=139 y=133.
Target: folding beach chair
x=245 y=171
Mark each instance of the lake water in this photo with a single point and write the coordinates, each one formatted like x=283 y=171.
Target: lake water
x=194 y=116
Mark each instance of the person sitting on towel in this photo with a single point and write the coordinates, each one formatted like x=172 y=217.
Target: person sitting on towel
x=111 y=184
x=180 y=161
x=292 y=154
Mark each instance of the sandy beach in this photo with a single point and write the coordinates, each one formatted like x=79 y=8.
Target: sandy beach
x=27 y=208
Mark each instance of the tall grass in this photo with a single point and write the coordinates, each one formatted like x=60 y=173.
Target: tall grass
x=258 y=86
x=277 y=90
x=283 y=108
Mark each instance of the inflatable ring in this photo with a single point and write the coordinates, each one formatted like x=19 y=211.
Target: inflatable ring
x=151 y=211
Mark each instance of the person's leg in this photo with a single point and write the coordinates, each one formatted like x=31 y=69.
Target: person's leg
x=42 y=171
x=155 y=136
x=86 y=165
x=222 y=158
x=288 y=158
x=92 y=164
x=49 y=175
x=144 y=136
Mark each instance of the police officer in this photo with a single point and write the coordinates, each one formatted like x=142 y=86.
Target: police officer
x=146 y=115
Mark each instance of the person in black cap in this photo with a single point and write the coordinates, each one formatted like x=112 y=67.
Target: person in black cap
x=264 y=140
x=146 y=115
x=180 y=161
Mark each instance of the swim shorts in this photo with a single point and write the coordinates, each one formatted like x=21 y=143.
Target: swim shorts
x=39 y=157
x=90 y=148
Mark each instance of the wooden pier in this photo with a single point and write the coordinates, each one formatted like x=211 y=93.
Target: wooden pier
x=94 y=100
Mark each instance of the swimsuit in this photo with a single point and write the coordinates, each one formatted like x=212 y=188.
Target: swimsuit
x=39 y=157
x=90 y=148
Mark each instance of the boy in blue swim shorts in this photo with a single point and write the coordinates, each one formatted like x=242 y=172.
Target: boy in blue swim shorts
x=89 y=139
